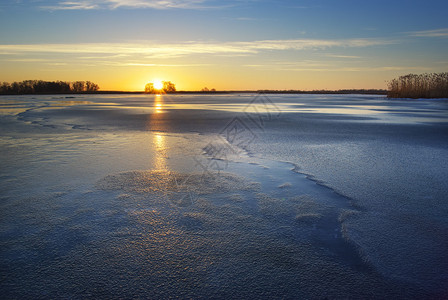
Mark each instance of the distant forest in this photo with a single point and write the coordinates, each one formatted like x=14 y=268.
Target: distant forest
x=47 y=87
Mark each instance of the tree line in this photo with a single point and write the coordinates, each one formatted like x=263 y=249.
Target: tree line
x=428 y=85
x=206 y=90
x=47 y=87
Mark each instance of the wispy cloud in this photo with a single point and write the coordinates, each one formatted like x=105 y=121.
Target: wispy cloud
x=158 y=50
x=72 y=5
x=240 y=18
x=331 y=67
x=306 y=65
x=442 y=32
x=157 y=4
x=300 y=44
x=139 y=64
x=57 y=64
x=28 y=60
x=342 y=56
x=152 y=4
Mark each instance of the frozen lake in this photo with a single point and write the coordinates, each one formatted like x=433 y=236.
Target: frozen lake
x=223 y=196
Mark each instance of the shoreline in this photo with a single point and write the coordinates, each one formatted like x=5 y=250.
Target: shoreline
x=317 y=92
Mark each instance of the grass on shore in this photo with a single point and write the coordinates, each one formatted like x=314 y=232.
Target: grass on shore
x=428 y=85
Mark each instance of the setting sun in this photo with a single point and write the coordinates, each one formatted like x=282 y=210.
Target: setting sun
x=158 y=84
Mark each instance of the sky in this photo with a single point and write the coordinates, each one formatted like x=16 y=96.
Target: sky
x=226 y=44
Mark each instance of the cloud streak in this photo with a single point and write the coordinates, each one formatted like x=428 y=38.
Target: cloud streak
x=332 y=67
x=156 y=4
x=153 y=49
x=436 y=33
x=134 y=4
x=343 y=56
x=72 y=5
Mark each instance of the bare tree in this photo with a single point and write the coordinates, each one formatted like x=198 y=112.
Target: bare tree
x=78 y=86
x=91 y=87
x=149 y=88
x=169 y=87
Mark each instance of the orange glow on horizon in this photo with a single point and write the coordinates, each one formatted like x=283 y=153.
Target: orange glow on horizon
x=227 y=80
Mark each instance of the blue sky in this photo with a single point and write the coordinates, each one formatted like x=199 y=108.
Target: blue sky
x=236 y=44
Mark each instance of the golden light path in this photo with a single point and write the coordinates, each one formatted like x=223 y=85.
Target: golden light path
x=161 y=155
x=158 y=104
x=159 y=139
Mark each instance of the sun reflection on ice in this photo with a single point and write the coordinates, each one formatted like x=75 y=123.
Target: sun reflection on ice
x=161 y=155
x=158 y=101
x=156 y=125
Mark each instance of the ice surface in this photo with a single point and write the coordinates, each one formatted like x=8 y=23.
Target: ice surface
x=229 y=196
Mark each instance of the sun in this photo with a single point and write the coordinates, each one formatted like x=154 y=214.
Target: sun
x=158 y=84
